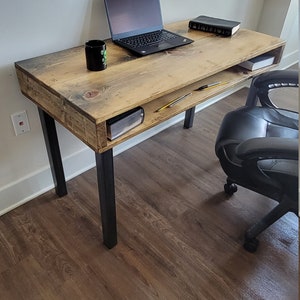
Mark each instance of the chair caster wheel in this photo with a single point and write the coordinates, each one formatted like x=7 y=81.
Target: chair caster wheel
x=251 y=245
x=230 y=189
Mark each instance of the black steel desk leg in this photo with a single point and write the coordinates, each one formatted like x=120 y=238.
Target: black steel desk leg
x=51 y=140
x=189 y=118
x=106 y=187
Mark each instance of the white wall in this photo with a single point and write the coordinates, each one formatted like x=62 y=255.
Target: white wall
x=31 y=28
x=281 y=18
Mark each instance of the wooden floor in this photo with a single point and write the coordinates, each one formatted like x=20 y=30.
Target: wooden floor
x=180 y=236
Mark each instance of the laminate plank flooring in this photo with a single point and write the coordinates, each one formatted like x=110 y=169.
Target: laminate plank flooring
x=179 y=235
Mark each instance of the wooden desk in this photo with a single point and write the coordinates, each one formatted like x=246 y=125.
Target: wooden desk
x=82 y=101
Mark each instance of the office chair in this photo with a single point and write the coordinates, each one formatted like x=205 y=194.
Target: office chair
x=257 y=146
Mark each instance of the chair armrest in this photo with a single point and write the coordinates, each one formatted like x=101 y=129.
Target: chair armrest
x=261 y=85
x=268 y=148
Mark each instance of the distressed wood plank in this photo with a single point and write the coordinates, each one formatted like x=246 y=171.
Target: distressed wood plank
x=94 y=135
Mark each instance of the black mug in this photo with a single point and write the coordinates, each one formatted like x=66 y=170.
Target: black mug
x=95 y=54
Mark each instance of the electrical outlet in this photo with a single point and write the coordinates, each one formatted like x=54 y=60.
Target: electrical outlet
x=20 y=122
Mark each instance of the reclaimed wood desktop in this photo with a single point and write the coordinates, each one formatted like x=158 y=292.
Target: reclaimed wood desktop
x=82 y=101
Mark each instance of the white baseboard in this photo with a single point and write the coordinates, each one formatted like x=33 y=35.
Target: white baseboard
x=35 y=184
x=289 y=60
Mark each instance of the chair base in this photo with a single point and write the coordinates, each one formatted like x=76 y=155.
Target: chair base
x=230 y=189
x=251 y=242
x=251 y=245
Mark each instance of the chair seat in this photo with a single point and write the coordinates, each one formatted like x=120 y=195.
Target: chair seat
x=254 y=122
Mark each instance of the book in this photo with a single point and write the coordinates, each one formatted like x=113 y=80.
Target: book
x=258 y=62
x=215 y=25
x=124 y=122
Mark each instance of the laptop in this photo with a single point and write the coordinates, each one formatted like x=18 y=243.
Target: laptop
x=137 y=26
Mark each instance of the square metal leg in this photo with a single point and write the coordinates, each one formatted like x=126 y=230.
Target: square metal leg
x=106 y=187
x=189 y=118
x=51 y=140
x=105 y=177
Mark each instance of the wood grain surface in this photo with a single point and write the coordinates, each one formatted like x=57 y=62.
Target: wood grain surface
x=82 y=100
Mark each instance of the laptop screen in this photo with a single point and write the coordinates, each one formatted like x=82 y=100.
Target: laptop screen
x=132 y=17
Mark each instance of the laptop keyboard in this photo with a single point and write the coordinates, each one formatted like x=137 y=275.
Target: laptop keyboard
x=147 y=39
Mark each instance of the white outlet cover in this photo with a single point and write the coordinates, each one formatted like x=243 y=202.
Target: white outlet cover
x=20 y=122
